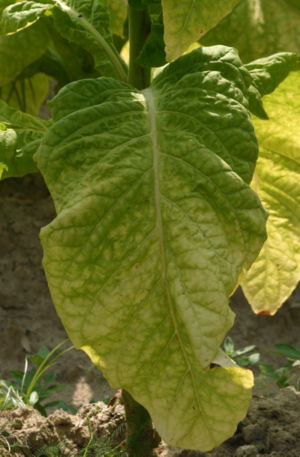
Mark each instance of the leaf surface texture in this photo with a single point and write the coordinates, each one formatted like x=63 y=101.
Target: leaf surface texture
x=155 y=222
x=20 y=136
x=186 y=21
x=276 y=272
x=20 y=49
x=258 y=28
x=86 y=23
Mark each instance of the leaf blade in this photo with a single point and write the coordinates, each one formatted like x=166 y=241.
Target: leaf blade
x=118 y=15
x=86 y=23
x=27 y=94
x=182 y=19
x=18 y=16
x=138 y=213
x=275 y=273
x=19 y=140
x=259 y=28
x=20 y=49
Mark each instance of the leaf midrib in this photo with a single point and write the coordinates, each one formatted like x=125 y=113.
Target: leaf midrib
x=148 y=94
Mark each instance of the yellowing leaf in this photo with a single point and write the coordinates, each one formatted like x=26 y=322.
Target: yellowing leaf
x=258 y=28
x=118 y=15
x=276 y=272
x=155 y=222
x=185 y=21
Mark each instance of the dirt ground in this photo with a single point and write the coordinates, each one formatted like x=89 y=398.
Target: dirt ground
x=28 y=321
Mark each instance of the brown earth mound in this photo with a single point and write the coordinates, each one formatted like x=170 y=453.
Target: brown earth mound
x=24 y=432
x=270 y=429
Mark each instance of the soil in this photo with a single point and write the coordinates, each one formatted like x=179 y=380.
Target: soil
x=271 y=428
x=28 y=321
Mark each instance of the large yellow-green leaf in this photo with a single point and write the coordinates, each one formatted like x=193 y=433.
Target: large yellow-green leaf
x=20 y=136
x=276 y=272
x=155 y=222
x=258 y=28
x=186 y=21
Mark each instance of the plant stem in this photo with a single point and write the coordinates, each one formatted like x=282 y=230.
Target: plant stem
x=141 y=437
x=139 y=29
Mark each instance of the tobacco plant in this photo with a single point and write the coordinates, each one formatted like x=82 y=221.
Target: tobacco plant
x=156 y=184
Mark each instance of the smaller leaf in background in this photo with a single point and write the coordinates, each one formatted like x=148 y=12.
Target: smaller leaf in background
x=18 y=376
x=282 y=376
x=286 y=374
x=228 y=346
x=51 y=64
x=26 y=94
x=186 y=21
x=50 y=378
x=19 y=141
x=245 y=360
x=68 y=60
x=117 y=16
x=269 y=72
x=86 y=23
x=244 y=356
x=20 y=49
x=258 y=28
x=153 y=52
x=40 y=356
x=289 y=351
x=43 y=352
x=19 y=15
x=267 y=372
x=276 y=271
x=266 y=74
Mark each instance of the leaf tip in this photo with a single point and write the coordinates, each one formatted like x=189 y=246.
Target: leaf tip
x=263 y=313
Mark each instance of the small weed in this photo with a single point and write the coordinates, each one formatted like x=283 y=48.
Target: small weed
x=32 y=386
x=52 y=450
x=102 y=449
x=96 y=447
x=283 y=376
x=244 y=356
x=10 y=397
x=286 y=374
